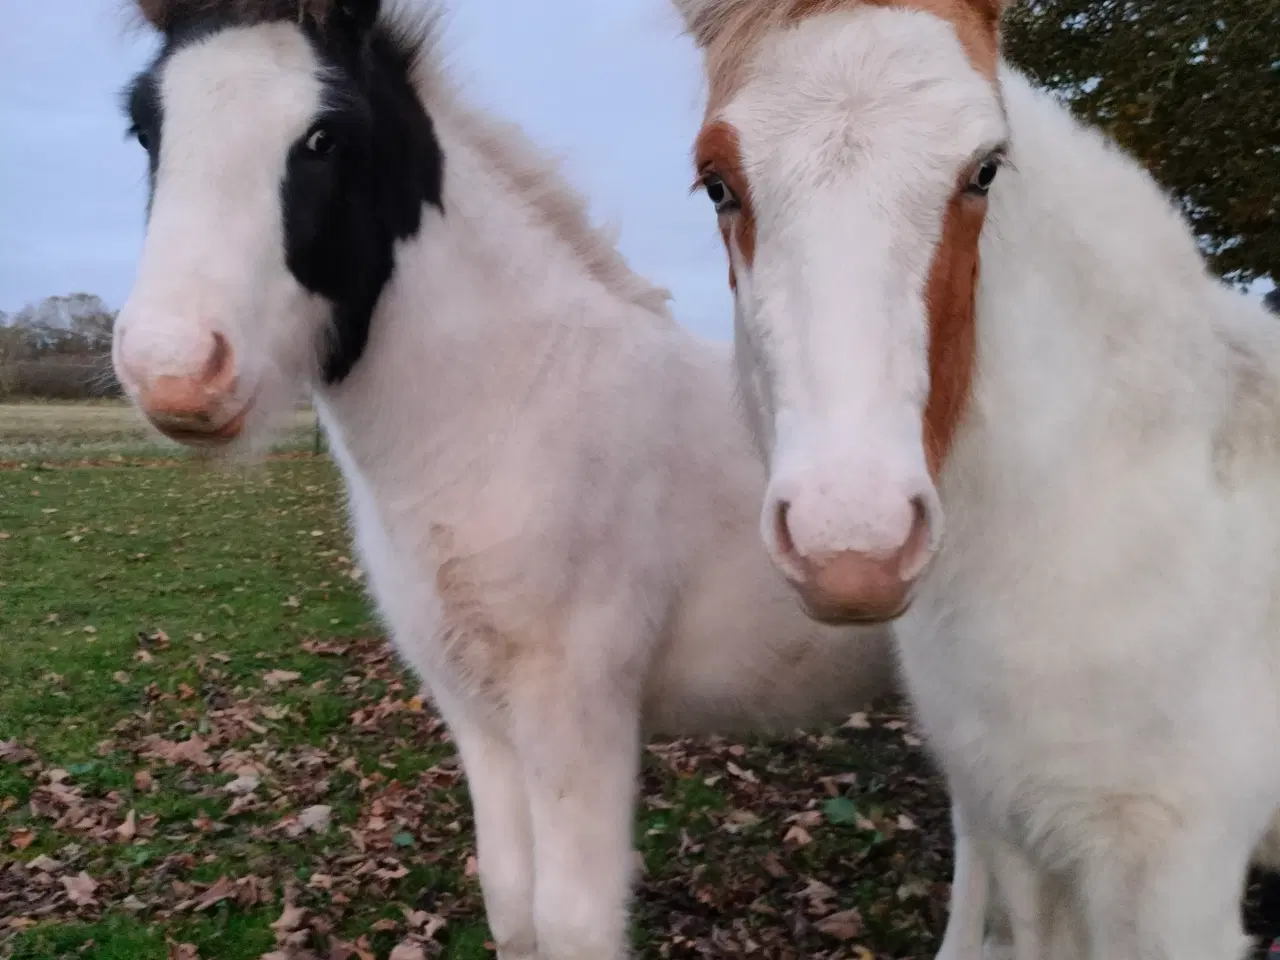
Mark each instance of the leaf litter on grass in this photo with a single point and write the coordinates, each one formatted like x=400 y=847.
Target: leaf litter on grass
x=264 y=785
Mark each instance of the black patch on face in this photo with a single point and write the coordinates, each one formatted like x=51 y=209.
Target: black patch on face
x=356 y=182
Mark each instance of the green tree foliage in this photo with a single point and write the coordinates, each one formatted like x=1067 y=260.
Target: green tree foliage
x=1192 y=88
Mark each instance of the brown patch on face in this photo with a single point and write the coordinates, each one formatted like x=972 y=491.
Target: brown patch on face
x=717 y=151
x=950 y=299
x=729 y=30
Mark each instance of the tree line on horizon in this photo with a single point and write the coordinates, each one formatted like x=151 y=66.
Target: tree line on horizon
x=1192 y=89
x=58 y=349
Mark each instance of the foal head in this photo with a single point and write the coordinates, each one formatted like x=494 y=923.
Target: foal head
x=288 y=154
x=848 y=148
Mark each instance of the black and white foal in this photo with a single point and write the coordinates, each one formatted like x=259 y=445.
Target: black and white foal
x=549 y=484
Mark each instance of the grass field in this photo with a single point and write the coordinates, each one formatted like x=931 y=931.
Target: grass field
x=38 y=431
x=207 y=750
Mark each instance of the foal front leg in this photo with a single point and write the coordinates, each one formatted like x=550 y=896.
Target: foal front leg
x=970 y=892
x=504 y=838
x=580 y=753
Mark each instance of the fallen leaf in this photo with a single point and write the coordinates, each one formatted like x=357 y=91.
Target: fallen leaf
x=840 y=810
x=44 y=864
x=798 y=836
x=844 y=925
x=21 y=839
x=192 y=751
x=243 y=784
x=858 y=721
x=408 y=950
x=291 y=919
x=80 y=888
x=142 y=781
x=274 y=678
x=220 y=891
x=129 y=829
x=315 y=819
x=183 y=951
x=120 y=677
x=13 y=752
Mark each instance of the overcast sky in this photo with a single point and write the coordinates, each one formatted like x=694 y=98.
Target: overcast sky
x=609 y=85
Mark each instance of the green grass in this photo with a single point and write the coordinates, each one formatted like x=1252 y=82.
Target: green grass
x=36 y=431
x=144 y=604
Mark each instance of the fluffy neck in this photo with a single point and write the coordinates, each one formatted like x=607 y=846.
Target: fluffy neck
x=501 y=297
x=1093 y=307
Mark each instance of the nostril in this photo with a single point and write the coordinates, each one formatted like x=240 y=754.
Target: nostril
x=916 y=550
x=219 y=369
x=782 y=530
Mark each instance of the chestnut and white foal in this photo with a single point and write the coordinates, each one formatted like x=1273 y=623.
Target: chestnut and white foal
x=550 y=485
x=955 y=302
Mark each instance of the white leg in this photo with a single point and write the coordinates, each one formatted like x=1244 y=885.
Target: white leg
x=504 y=838
x=581 y=756
x=1183 y=899
x=966 y=921
x=1024 y=894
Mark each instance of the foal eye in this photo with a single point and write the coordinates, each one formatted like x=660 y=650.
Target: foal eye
x=143 y=138
x=319 y=142
x=719 y=193
x=983 y=177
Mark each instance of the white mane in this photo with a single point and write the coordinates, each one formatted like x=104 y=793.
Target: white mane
x=533 y=175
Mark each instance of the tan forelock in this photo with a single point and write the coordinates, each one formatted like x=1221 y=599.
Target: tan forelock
x=728 y=31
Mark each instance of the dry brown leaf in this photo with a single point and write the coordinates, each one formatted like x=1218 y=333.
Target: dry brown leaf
x=320 y=881
x=13 y=752
x=243 y=784
x=797 y=836
x=408 y=950
x=80 y=888
x=21 y=839
x=129 y=829
x=291 y=919
x=274 y=678
x=220 y=891
x=316 y=818
x=183 y=951
x=844 y=925
x=142 y=781
x=44 y=864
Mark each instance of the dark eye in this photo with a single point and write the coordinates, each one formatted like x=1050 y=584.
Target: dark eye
x=984 y=177
x=143 y=138
x=719 y=193
x=320 y=142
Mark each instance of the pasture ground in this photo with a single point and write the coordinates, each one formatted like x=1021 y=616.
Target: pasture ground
x=207 y=750
x=102 y=430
